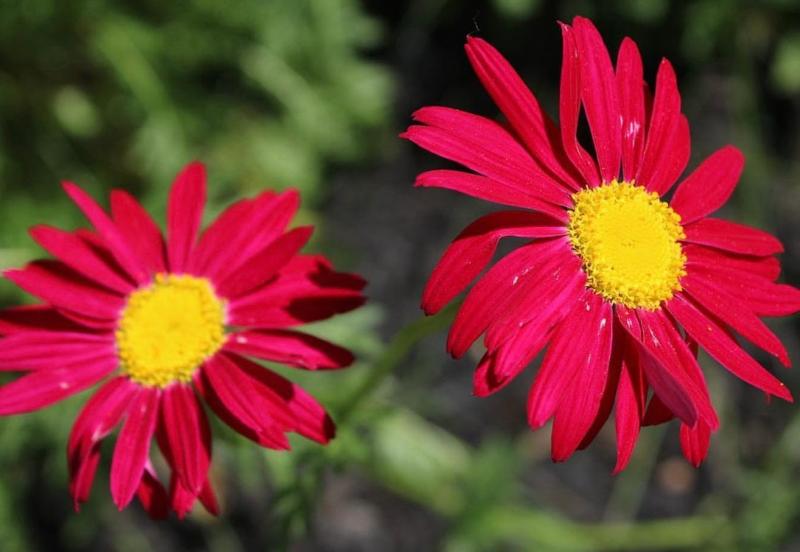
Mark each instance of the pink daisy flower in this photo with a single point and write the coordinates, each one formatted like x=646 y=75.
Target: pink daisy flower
x=618 y=283
x=160 y=322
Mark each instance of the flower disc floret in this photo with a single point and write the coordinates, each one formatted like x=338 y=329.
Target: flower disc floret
x=628 y=241
x=169 y=328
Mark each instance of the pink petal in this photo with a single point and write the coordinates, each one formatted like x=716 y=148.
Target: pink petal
x=599 y=97
x=580 y=402
x=55 y=283
x=664 y=135
x=44 y=350
x=763 y=297
x=712 y=259
x=731 y=311
x=82 y=478
x=152 y=495
x=133 y=444
x=730 y=236
x=710 y=334
x=185 y=427
x=569 y=108
x=520 y=107
x=43 y=388
x=290 y=347
x=630 y=86
x=79 y=256
x=694 y=442
x=233 y=398
x=299 y=311
x=526 y=338
x=485 y=147
x=34 y=318
x=657 y=413
x=557 y=283
x=609 y=392
x=243 y=230
x=307 y=416
x=208 y=499
x=97 y=419
x=567 y=353
x=298 y=295
x=488 y=189
x=113 y=238
x=631 y=394
x=139 y=230
x=472 y=250
x=663 y=366
x=99 y=416
x=264 y=265
x=494 y=292
x=709 y=186
x=185 y=214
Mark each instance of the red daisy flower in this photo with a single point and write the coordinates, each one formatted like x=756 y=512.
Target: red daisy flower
x=619 y=284
x=166 y=318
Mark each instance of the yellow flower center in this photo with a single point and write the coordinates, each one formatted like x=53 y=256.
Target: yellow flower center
x=169 y=328
x=627 y=239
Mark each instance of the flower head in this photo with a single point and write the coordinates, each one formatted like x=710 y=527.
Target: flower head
x=619 y=283
x=160 y=322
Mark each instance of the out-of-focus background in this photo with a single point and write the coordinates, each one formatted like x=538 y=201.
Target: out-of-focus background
x=312 y=94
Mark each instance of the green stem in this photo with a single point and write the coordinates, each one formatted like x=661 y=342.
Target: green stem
x=394 y=353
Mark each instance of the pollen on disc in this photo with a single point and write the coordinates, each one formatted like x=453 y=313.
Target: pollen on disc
x=629 y=243
x=169 y=328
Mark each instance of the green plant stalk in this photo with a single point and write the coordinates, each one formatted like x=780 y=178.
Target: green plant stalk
x=394 y=353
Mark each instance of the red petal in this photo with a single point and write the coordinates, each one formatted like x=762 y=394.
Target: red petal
x=663 y=367
x=520 y=107
x=265 y=264
x=55 y=283
x=290 y=347
x=568 y=348
x=243 y=230
x=515 y=345
x=39 y=389
x=185 y=214
x=707 y=331
x=485 y=147
x=152 y=495
x=231 y=395
x=35 y=318
x=307 y=417
x=630 y=84
x=666 y=149
x=709 y=186
x=78 y=255
x=495 y=292
x=763 y=297
x=730 y=236
x=694 y=442
x=569 y=109
x=139 y=230
x=580 y=402
x=599 y=96
x=43 y=350
x=715 y=260
x=186 y=429
x=111 y=235
x=474 y=247
x=488 y=189
x=631 y=394
x=133 y=444
x=731 y=311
